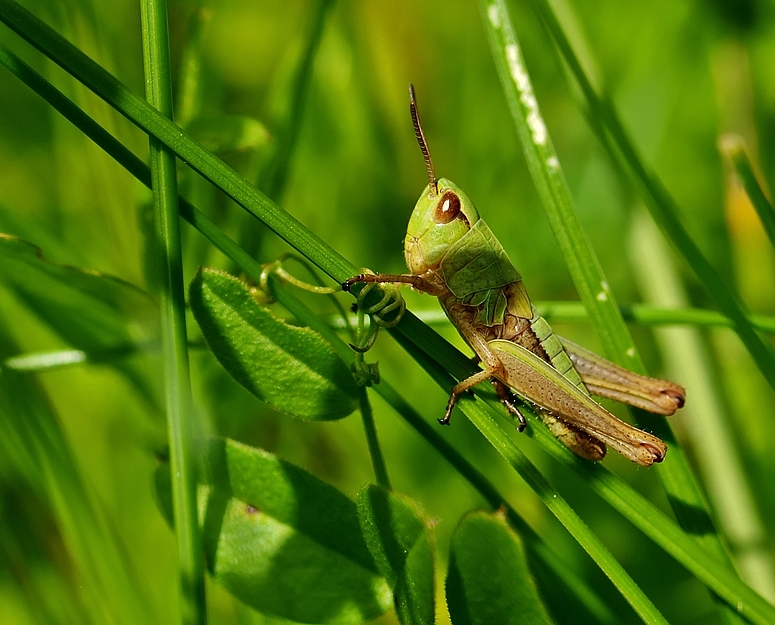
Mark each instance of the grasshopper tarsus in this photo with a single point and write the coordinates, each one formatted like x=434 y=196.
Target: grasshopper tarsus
x=678 y=397
x=507 y=399
x=347 y=284
x=448 y=412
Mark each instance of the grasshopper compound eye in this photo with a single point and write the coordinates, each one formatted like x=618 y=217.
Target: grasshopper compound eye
x=447 y=208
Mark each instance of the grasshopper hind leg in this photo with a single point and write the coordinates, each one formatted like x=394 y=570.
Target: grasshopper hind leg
x=509 y=401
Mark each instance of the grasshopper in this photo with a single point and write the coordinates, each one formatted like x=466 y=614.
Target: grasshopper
x=452 y=254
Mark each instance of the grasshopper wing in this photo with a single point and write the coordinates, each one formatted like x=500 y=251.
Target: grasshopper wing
x=541 y=384
x=606 y=379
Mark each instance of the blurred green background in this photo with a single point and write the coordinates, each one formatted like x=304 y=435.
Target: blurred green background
x=681 y=75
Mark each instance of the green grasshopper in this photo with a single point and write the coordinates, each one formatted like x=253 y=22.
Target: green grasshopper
x=452 y=254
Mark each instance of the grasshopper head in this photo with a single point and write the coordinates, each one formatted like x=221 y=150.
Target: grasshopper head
x=439 y=219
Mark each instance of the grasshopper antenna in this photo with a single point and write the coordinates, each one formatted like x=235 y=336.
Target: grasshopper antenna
x=421 y=140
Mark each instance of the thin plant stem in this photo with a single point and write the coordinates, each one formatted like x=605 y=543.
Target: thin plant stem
x=193 y=610
x=377 y=459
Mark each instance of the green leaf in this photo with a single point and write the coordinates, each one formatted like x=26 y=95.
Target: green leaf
x=292 y=369
x=286 y=543
x=399 y=539
x=488 y=580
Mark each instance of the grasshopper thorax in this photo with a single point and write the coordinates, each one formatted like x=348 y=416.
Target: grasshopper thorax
x=438 y=221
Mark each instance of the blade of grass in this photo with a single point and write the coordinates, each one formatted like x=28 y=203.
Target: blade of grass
x=552 y=188
x=33 y=441
x=649 y=314
x=677 y=479
x=734 y=148
x=709 y=429
x=377 y=459
x=659 y=202
x=179 y=404
x=642 y=314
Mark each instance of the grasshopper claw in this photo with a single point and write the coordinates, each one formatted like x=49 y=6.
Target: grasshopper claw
x=347 y=284
x=507 y=399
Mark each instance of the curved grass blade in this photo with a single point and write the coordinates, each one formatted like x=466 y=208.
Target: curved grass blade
x=659 y=202
x=677 y=479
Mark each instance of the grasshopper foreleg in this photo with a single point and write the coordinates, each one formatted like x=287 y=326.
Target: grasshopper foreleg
x=418 y=282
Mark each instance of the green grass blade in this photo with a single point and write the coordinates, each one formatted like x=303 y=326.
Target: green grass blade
x=179 y=404
x=649 y=314
x=659 y=202
x=677 y=479
x=734 y=148
x=641 y=314
x=710 y=430
x=35 y=444
x=553 y=189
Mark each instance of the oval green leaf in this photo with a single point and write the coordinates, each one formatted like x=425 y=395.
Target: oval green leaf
x=286 y=543
x=399 y=539
x=488 y=579
x=294 y=370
